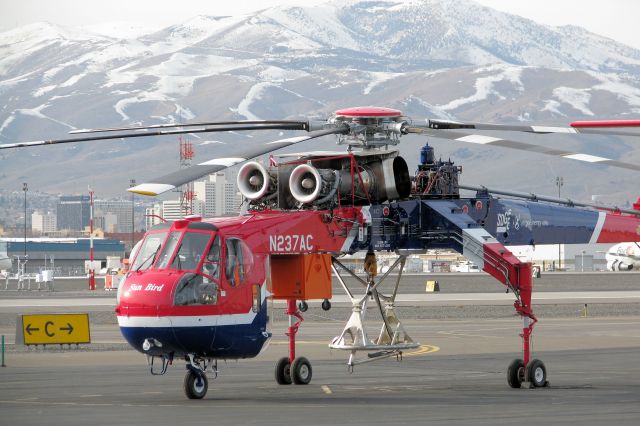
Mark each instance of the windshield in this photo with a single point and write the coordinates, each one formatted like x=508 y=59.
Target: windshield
x=147 y=253
x=211 y=264
x=168 y=249
x=191 y=250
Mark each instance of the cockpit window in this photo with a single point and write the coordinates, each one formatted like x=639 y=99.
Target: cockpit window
x=168 y=249
x=211 y=264
x=193 y=290
x=239 y=261
x=148 y=251
x=190 y=251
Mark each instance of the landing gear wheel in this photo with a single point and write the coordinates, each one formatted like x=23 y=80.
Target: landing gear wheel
x=536 y=373
x=326 y=305
x=303 y=306
x=195 y=385
x=515 y=373
x=301 y=371
x=283 y=371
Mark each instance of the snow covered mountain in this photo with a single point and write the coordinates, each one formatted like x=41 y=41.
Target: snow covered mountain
x=441 y=58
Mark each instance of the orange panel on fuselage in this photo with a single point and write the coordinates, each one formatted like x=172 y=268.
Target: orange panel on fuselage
x=301 y=276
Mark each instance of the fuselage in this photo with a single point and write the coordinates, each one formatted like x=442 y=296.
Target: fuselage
x=200 y=287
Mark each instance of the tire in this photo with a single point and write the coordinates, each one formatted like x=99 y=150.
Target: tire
x=283 y=371
x=301 y=371
x=326 y=305
x=536 y=373
x=195 y=385
x=303 y=306
x=515 y=373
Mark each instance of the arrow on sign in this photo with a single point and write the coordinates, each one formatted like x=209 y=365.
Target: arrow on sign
x=69 y=328
x=30 y=329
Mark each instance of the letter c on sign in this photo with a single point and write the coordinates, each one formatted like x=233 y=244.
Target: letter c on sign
x=46 y=329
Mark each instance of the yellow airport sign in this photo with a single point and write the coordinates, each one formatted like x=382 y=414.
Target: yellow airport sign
x=53 y=329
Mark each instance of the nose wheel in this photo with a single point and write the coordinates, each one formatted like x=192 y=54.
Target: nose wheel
x=195 y=384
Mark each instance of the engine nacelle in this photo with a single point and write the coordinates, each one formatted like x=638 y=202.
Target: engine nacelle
x=397 y=181
x=617 y=265
x=308 y=184
x=379 y=180
x=254 y=181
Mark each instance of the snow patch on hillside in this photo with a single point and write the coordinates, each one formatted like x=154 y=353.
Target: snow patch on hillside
x=377 y=78
x=553 y=107
x=624 y=91
x=318 y=23
x=577 y=98
x=485 y=86
x=254 y=94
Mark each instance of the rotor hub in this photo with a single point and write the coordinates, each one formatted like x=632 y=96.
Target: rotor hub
x=368 y=112
x=370 y=126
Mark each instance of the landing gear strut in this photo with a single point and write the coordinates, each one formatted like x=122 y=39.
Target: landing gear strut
x=516 y=276
x=291 y=369
x=393 y=339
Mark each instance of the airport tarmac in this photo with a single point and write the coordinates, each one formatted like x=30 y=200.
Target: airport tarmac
x=457 y=376
x=411 y=283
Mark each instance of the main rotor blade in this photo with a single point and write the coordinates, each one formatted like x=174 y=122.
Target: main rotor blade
x=169 y=125
x=606 y=123
x=576 y=127
x=227 y=128
x=173 y=180
x=522 y=146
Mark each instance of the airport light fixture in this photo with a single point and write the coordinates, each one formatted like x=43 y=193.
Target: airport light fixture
x=25 y=188
x=132 y=183
x=559 y=184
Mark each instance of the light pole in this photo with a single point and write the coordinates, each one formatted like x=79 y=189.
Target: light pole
x=25 y=188
x=132 y=183
x=559 y=184
x=92 y=274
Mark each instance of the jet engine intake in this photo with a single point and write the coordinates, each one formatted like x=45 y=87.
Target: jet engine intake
x=618 y=265
x=254 y=181
x=308 y=184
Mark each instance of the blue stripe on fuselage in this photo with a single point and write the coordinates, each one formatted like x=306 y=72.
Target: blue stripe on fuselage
x=224 y=342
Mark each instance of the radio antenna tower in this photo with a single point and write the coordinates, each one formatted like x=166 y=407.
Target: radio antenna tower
x=186 y=194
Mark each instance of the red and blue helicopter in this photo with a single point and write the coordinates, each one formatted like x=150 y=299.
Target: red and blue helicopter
x=197 y=288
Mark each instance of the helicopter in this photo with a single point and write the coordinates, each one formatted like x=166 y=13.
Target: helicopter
x=197 y=289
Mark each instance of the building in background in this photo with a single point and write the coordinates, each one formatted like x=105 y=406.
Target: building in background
x=220 y=195
x=170 y=210
x=73 y=212
x=152 y=215
x=112 y=215
x=67 y=254
x=43 y=223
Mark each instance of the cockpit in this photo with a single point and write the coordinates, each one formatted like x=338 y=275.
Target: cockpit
x=210 y=261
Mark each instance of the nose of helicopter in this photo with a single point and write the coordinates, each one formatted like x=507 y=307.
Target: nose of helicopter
x=144 y=308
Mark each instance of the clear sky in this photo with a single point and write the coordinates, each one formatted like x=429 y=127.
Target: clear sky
x=617 y=19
